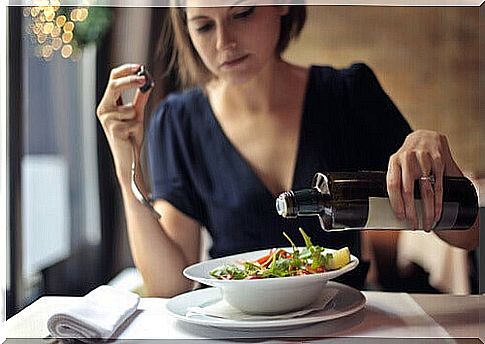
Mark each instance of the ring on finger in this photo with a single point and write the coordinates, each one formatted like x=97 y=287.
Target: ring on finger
x=428 y=178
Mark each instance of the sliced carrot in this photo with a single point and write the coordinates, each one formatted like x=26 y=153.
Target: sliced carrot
x=263 y=259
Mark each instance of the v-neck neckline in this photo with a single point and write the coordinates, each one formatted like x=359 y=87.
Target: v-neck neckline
x=242 y=159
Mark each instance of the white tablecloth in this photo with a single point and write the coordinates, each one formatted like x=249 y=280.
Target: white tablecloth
x=386 y=315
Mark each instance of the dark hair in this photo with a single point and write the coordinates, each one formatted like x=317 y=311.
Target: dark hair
x=181 y=57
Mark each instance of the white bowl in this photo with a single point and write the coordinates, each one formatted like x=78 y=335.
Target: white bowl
x=269 y=295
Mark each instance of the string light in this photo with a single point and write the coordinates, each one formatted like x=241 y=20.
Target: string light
x=52 y=29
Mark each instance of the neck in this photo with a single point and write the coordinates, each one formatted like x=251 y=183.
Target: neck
x=262 y=94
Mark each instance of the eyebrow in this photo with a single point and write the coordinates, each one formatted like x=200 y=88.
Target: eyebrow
x=197 y=18
x=235 y=4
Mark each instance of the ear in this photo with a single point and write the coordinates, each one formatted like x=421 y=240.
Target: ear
x=283 y=10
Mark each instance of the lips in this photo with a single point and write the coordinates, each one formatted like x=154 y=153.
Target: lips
x=234 y=61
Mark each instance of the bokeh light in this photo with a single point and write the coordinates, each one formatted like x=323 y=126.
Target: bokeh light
x=69 y=26
x=57 y=43
x=61 y=20
x=66 y=51
x=41 y=38
x=74 y=15
x=48 y=28
x=67 y=37
x=49 y=14
x=83 y=13
x=47 y=51
x=54 y=31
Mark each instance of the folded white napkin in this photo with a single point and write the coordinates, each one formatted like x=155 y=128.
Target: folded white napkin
x=221 y=309
x=94 y=316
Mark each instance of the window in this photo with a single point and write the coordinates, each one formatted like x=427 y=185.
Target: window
x=57 y=175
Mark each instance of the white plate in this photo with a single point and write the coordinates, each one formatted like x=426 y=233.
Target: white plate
x=347 y=301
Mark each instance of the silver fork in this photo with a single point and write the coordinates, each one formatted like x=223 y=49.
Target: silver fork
x=140 y=196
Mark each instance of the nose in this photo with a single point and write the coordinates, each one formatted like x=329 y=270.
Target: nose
x=225 y=38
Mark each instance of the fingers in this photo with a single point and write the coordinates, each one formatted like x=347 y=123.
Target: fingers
x=124 y=70
x=426 y=189
x=121 y=79
x=438 y=171
x=423 y=154
x=403 y=172
x=428 y=203
x=409 y=172
x=111 y=109
x=393 y=180
x=117 y=86
x=120 y=123
x=139 y=103
x=120 y=113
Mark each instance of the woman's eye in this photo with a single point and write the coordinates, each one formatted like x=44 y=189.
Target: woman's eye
x=245 y=13
x=204 y=28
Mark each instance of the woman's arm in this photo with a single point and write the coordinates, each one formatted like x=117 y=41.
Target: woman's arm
x=160 y=249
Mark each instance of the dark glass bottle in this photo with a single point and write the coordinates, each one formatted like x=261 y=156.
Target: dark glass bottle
x=359 y=200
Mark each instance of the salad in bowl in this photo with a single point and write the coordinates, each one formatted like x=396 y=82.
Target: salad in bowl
x=276 y=281
x=281 y=262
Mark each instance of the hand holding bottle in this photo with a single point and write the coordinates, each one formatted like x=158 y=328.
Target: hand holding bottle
x=123 y=123
x=424 y=156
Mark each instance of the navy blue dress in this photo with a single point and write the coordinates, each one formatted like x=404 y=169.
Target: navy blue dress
x=348 y=124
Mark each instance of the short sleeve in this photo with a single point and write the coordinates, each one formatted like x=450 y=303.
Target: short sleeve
x=170 y=160
x=379 y=127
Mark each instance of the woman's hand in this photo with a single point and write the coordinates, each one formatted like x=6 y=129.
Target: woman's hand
x=424 y=154
x=123 y=123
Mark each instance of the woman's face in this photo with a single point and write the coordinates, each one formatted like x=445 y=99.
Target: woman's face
x=235 y=43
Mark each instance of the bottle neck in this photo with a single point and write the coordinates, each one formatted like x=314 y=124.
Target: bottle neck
x=304 y=202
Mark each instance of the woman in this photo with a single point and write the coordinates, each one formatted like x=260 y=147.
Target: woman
x=253 y=126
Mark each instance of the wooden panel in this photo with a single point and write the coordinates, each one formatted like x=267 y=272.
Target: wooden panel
x=426 y=58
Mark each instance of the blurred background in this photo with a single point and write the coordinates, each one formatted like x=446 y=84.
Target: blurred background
x=66 y=230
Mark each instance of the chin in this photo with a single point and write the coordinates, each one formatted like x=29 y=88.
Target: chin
x=238 y=77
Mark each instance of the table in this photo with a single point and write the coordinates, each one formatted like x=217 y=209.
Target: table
x=386 y=318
